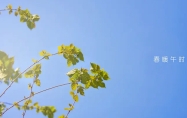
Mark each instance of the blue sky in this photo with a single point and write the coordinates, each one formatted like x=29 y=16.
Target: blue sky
x=122 y=36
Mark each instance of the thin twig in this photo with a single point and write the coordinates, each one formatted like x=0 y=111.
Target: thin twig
x=7 y=9
x=70 y=110
x=30 y=96
x=22 y=73
x=34 y=94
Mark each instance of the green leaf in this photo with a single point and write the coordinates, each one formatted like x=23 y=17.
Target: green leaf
x=80 y=56
x=35 y=18
x=74 y=86
x=106 y=77
x=60 y=49
x=65 y=56
x=87 y=85
x=36 y=104
x=46 y=57
x=29 y=74
x=94 y=84
x=84 y=77
x=30 y=24
x=62 y=116
x=80 y=90
x=16 y=13
x=21 y=12
x=10 y=11
x=101 y=84
x=35 y=61
x=37 y=82
x=95 y=68
x=76 y=98
x=19 y=8
x=9 y=6
x=67 y=109
x=69 y=63
x=45 y=54
x=42 y=53
x=23 y=18
x=72 y=72
x=27 y=102
x=29 y=86
x=72 y=93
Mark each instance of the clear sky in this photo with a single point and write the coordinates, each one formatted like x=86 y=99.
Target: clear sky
x=122 y=36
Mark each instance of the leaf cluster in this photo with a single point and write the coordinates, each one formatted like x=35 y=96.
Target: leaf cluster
x=25 y=16
x=7 y=72
x=71 y=53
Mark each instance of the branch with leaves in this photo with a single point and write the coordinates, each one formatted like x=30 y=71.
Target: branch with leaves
x=25 y=16
x=80 y=79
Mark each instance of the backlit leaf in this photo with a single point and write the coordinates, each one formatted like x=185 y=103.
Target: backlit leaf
x=62 y=116
x=36 y=18
x=76 y=98
x=74 y=86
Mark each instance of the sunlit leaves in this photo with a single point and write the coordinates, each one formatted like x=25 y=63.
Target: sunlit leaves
x=16 y=13
x=25 y=16
x=16 y=105
x=80 y=90
x=9 y=6
x=2 y=108
x=72 y=93
x=29 y=86
x=81 y=79
x=45 y=54
x=35 y=61
x=71 y=53
x=71 y=107
x=35 y=18
x=48 y=111
x=87 y=85
x=37 y=82
x=27 y=102
x=29 y=74
x=23 y=19
x=35 y=71
x=7 y=73
x=36 y=104
x=74 y=86
x=101 y=84
x=72 y=72
x=94 y=68
x=76 y=98
x=30 y=24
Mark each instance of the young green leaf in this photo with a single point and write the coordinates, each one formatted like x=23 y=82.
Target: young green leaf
x=37 y=82
x=35 y=18
x=76 y=98
x=72 y=93
x=74 y=86
x=62 y=116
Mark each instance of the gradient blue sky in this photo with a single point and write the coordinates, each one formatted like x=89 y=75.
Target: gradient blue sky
x=122 y=36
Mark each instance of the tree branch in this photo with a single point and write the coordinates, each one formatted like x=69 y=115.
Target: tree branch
x=24 y=72
x=34 y=94
x=70 y=110
x=20 y=75
x=30 y=95
x=6 y=9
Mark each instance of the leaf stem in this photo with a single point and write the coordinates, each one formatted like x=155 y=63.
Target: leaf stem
x=24 y=72
x=34 y=94
x=19 y=75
